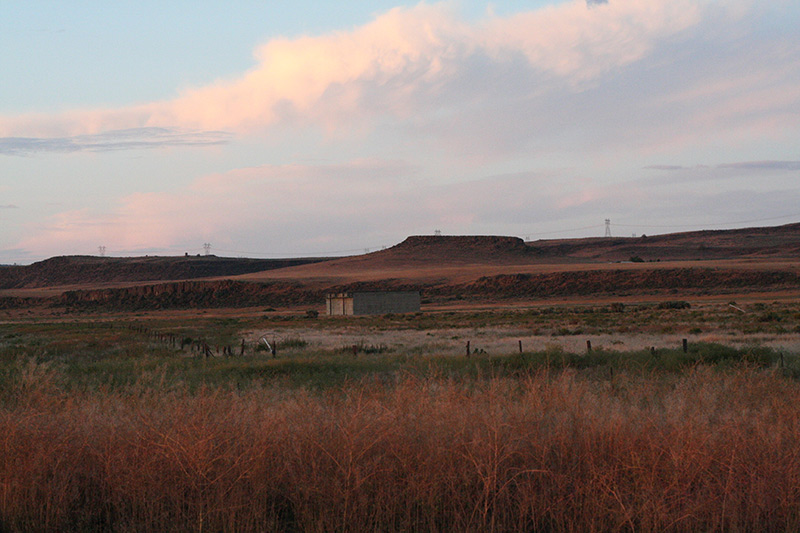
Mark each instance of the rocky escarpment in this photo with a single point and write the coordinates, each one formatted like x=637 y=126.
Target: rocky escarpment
x=616 y=282
x=229 y=293
x=446 y=249
x=190 y=294
x=69 y=270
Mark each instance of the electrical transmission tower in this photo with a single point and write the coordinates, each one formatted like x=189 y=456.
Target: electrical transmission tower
x=608 y=227
x=207 y=248
x=102 y=251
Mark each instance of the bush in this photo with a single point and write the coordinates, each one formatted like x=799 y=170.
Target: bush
x=292 y=343
x=674 y=304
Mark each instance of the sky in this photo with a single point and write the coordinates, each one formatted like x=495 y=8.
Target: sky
x=277 y=129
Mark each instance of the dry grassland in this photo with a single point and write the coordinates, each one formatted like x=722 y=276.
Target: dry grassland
x=104 y=426
x=702 y=451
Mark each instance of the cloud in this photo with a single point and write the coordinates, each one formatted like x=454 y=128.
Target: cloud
x=300 y=209
x=645 y=76
x=591 y=3
x=292 y=210
x=406 y=61
x=664 y=167
x=9 y=206
x=130 y=139
x=744 y=165
x=764 y=165
x=268 y=205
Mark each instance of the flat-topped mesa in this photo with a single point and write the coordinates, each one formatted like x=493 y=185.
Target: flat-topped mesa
x=461 y=248
x=88 y=270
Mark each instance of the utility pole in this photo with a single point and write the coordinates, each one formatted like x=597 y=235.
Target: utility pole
x=608 y=227
x=207 y=248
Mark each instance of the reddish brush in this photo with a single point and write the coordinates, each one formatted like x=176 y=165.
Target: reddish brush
x=708 y=451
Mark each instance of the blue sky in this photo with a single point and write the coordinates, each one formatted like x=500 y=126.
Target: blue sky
x=272 y=130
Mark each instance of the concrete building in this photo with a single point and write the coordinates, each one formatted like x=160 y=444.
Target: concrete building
x=372 y=303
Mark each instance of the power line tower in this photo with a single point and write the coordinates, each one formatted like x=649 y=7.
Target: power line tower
x=102 y=251
x=608 y=227
x=207 y=248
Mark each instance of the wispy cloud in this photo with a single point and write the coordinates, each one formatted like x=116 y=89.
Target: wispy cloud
x=301 y=208
x=764 y=165
x=129 y=139
x=9 y=206
x=664 y=167
x=744 y=165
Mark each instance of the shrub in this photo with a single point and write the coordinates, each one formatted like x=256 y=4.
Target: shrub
x=292 y=342
x=674 y=304
x=546 y=452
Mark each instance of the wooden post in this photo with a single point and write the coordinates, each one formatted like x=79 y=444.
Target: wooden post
x=467 y=348
x=520 y=346
x=588 y=346
x=781 y=359
x=242 y=352
x=685 y=346
x=274 y=348
x=355 y=350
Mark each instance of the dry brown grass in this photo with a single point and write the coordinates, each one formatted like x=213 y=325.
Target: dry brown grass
x=707 y=451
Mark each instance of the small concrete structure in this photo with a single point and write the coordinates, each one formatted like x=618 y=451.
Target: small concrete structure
x=372 y=303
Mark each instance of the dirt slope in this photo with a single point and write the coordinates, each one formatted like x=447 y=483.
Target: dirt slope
x=444 y=268
x=766 y=242
x=87 y=270
x=429 y=259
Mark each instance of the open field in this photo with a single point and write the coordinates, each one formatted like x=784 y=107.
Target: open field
x=108 y=424
x=529 y=393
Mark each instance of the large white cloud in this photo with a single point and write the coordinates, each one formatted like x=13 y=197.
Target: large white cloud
x=406 y=61
x=567 y=103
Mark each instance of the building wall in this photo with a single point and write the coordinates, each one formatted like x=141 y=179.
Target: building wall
x=339 y=304
x=372 y=303
x=378 y=303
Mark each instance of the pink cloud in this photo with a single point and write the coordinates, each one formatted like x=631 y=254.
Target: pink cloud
x=275 y=200
x=407 y=56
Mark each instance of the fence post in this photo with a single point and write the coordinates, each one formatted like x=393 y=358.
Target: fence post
x=588 y=346
x=685 y=346
x=520 y=346
x=467 y=348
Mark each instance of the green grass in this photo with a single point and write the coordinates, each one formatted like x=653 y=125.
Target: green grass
x=95 y=355
x=321 y=370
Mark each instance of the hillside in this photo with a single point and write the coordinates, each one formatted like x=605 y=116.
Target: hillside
x=87 y=270
x=464 y=258
x=765 y=242
x=445 y=268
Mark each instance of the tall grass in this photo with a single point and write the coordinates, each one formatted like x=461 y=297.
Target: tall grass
x=703 y=450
